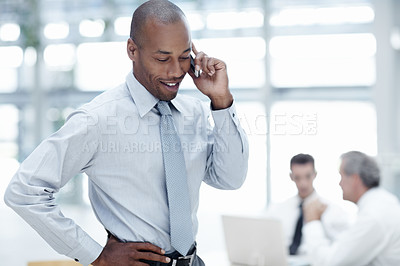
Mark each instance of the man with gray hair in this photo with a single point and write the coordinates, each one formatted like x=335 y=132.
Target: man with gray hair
x=374 y=239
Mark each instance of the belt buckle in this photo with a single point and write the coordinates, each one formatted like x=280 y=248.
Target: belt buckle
x=188 y=257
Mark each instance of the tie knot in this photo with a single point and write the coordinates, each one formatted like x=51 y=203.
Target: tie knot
x=163 y=108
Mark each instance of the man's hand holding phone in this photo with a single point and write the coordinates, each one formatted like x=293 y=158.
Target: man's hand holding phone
x=193 y=68
x=212 y=79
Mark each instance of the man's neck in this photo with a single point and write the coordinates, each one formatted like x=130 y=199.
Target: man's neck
x=308 y=195
x=360 y=194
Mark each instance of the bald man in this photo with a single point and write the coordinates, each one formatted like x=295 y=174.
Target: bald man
x=115 y=139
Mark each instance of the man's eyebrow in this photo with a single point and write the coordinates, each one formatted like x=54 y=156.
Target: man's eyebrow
x=163 y=52
x=168 y=53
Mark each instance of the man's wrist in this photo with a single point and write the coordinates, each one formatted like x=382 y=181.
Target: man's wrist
x=313 y=218
x=97 y=261
x=223 y=102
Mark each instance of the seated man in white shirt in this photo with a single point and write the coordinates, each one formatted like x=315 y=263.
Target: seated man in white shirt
x=303 y=174
x=375 y=237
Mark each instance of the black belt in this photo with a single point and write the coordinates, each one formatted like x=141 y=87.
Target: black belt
x=176 y=259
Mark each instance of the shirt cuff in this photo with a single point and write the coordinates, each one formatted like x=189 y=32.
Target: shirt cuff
x=313 y=228
x=220 y=116
x=88 y=251
x=314 y=235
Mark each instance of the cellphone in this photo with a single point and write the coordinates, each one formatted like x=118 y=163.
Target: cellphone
x=192 y=66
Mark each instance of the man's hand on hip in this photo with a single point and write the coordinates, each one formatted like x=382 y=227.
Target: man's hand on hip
x=128 y=254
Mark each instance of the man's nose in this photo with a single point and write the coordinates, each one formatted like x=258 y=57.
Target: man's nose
x=175 y=69
x=303 y=183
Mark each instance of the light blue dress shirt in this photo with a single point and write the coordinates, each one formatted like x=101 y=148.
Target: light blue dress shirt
x=115 y=140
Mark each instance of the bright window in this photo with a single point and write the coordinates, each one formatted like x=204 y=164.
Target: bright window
x=11 y=58
x=8 y=122
x=244 y=58
x=101 y=66
x=235 y=20
x=122 y=26
x=9 y=79
x=9 y=32
x=91 y=28
x=9 y=118
x=56 y=30
x=323 y=60
x=60 y=56
x=323 y=16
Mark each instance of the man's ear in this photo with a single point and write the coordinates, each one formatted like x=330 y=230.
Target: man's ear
x=132 y=49
x=291 y=176
x=357 y=179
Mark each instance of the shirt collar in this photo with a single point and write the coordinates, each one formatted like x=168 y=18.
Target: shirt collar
x=363 y=200
x=143 y=99
x=309 y=198
x=177 y=103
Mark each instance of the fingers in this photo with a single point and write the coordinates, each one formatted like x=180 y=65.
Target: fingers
x=203 y=62
x=198 y=60
x=147 y=247
x=151 y=257
x=312 y=206
x=313 y=203
x=143 y=246
x=194 y=49
x=120 y=253
x=147 y=251
x=206 y=64
x=313 y=210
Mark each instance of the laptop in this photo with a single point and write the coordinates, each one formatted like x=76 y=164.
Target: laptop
x=254 y=241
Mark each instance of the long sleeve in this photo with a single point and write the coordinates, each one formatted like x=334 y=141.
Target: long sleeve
x=228 y=160
x=335 y=221
x=357 y=246
x=53 y=163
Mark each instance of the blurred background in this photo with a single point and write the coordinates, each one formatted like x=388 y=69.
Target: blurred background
x=309 y=76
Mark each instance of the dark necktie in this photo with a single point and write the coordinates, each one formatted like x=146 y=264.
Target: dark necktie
x=177 y=187
x=297 y=233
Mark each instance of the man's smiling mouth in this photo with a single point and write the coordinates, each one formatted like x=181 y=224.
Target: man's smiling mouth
x=173 y=86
